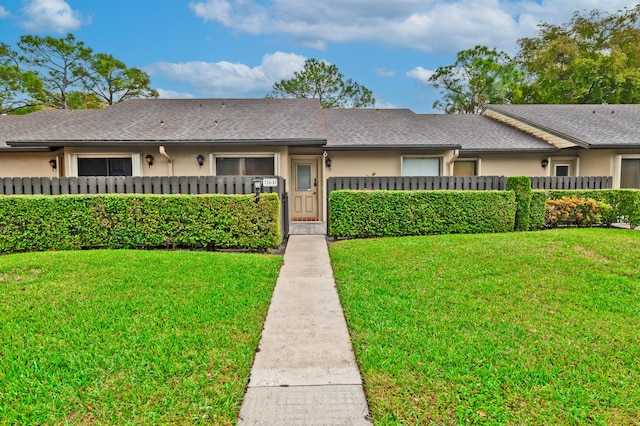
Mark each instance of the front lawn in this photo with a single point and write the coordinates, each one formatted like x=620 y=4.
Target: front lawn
x=519 y=328
x=129 y=337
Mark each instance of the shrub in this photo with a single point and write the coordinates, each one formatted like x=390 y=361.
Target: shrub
x=117 y=221
x=395 y=213
x=625 y=203
x=575 y=211
x=537 y=210
x=521 y=185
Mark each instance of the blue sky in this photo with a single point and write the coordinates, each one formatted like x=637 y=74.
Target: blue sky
x=239 y=48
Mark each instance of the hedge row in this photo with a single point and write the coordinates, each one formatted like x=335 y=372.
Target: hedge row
x=34 y=223
x=395 y=213
x=521 y=185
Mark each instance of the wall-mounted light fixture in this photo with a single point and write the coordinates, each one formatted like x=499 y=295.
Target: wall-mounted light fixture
x=53 y=164
x=200 y=159
x=327 y=161
x=149 y=159
x=544 y=163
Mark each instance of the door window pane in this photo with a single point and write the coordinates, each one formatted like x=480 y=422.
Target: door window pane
x=421 y=167
x=630 y=173
x=563 y=170
x=303 y=177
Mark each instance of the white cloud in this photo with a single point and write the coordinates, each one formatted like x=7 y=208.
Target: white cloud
x=4 y=13
x=385 y=105
x=383 y=72
x=220 y=79
x=172 y=94
x=51 y=15
x=442 y=26
x=420 y=74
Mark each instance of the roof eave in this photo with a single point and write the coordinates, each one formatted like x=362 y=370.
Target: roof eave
x=391 y=147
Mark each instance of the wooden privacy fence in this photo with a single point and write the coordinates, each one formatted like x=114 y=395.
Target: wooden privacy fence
x=474 y=183
x=572 y=182
x=147 y=185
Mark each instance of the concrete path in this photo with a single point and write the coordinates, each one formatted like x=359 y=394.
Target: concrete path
x=305 y=371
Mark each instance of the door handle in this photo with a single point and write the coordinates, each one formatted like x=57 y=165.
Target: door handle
x=315 y=181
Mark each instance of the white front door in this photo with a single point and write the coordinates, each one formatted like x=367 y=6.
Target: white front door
x=304 y=199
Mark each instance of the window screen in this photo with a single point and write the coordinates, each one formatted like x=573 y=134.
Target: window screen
x=630 y=173
x=239 y=166
x=421 y=167
x=563 y=170
x=104 y=167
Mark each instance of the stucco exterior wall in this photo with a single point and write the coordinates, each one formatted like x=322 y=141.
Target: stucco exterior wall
x=26 y=164
x=511 y=165
x=379 y=163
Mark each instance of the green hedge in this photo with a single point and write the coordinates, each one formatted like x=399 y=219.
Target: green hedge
x=521 y=185
x=34 y=223
x=537 y=210
x=395 y=213
x=625 y=203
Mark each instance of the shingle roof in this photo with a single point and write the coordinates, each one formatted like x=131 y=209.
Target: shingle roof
x=475 y=133
x=596 y=126
x=13 y=127
x=189 y=121
x=381 y=129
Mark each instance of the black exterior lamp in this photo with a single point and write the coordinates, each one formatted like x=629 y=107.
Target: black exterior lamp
x=327 y=161
x=200 y=159
x=544 y=163
x=149 y=159
x=53 y=164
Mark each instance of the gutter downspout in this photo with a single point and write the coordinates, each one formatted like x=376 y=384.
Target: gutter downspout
x=166 y=156
x=454 y=157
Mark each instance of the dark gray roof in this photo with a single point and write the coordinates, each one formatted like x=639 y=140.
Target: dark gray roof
x=595 y=126
x=188 y=121
x=382 y=129
x=475 y=133
x=14 y=127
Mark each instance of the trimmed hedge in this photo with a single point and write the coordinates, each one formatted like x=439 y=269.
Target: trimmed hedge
x=625 y=203
x=119 y=221
x=395 y=213
x=537 y=210
x=521 y=185
x=575 y=211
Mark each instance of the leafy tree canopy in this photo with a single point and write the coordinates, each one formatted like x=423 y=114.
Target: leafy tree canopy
x=478 y=77
x=64 y=73
x=595 y=58
x=323 y=81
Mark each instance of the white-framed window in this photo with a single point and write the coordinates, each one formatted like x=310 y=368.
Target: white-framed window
x=562 y=170
x=241 y=164
x=421 y=166
x=105 y=164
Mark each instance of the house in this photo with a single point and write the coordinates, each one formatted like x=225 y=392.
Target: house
x=305 y=144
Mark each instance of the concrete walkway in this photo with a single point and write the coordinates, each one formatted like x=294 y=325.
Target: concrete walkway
x=305 y=371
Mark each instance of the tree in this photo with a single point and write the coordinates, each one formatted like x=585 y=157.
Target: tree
x=60 y=64
x=111 y=80
x=478 y=77
x=64 y=73
x=323 y=81
x=593 y=59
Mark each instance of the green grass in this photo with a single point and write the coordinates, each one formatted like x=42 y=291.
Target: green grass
x=129 y=337
x=520 y=328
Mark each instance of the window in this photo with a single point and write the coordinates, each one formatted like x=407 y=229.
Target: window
x=104 y=167
x=630 y=173
x=465 y=168
x=238 y=166
x=303 y=177
x=562 y=170
x=429 y=166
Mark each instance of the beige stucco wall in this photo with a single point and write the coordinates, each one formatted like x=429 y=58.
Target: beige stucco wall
x=511 y=165
x=26 y=164
x=379 y=163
